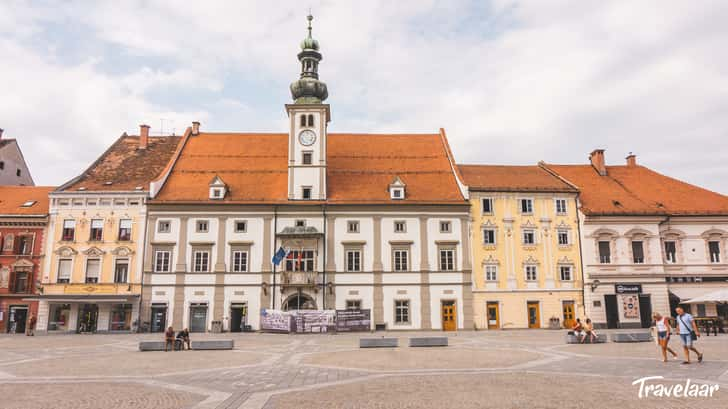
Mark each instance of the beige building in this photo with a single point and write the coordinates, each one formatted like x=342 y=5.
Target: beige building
x=95 y=243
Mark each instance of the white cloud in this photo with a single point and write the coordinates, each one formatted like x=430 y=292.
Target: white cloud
x=512 y=82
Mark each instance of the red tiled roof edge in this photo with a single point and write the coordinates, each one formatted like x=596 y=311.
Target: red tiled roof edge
x=93 y=164
x=456 y=172
x=543 y=165
x=164 y=175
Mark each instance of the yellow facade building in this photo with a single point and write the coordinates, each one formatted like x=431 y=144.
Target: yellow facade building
x=525 y=242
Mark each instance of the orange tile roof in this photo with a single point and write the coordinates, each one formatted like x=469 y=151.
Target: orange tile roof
x=360 y=168
x=126 y=166
x=637 y=190
x=12 y=199
x=506 y=178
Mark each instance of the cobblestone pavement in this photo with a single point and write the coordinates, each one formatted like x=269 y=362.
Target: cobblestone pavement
x=515 y=369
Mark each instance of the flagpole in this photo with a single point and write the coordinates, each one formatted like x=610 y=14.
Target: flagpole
x=275 y=250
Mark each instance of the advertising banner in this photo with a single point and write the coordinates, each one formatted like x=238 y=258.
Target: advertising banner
x=275 y=321
x=353 y=320
x=313 y=321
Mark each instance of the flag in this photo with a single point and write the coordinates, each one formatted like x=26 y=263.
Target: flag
x=279 y=256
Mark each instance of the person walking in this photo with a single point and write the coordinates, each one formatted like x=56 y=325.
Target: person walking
x=169 y=339
x=663 y=335
x=31 y=325
x=688 y=334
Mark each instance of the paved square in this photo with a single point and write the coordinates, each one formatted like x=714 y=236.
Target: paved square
x=501 y=369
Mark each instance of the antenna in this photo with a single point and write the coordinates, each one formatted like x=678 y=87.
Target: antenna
x=161 y=126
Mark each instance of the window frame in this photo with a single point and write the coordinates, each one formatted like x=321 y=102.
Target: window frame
x=633 y=248
x=236 y=228
x=305 y=155
x=602 y=258
x=403 y=262
x=563 y=211
x=404 y=226
x=447 y=224
x=352 y=226
x=569 y=269
x=526 y=269
x=521 y=202
x=64 y=280
x=92 y=236
x=354 y=263
x=65 y=232
x=351 y=303
x=86 y=270
x=491 y=273
x=203 y=261
x=492 y=230
x=449 y=265
x=161 y=224
x=714 y=257
x=490 y=202
x=405 y=317
x=242 y=265
x=524 y=233
x=156 y=265
x=567 y=234
x=122 y=229
x=306 y=193
x=199 y=226
x=117 y=263
x=668 y=259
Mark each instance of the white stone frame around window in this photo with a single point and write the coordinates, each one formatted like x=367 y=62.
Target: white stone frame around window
x=495 y=236
x=526 y=268
x=556 y=206
x=520 y=206
x=244 y=252
x=162 y=223
x=447 y=248
x=533 y=231
x=491 y=200
x=565 y=232
x=85 y=269
x=354 y=249
x=408 y=308
x=571 y=272
x=490 y=276
x=201 y=251
x=353 y=226
x=157 y=251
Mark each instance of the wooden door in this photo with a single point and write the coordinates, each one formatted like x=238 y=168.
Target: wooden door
x=534 y=317
x=449 y=316
x=568 y=309
x=493 y=315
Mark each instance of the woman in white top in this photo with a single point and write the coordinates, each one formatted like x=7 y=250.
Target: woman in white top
x=663 y=335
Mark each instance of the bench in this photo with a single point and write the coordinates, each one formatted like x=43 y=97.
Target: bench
x=632 y=337
x=196 y=345
x=428 y=342
x=378 y=342
x=572 y=339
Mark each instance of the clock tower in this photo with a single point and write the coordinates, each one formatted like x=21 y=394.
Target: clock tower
x=308 y=117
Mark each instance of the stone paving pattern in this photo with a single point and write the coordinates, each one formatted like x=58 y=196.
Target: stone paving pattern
x=500 y=369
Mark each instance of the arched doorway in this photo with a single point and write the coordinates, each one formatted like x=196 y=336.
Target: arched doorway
x=299 y=301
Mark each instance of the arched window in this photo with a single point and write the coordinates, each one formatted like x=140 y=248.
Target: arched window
x=310 y=120
x=303 y=120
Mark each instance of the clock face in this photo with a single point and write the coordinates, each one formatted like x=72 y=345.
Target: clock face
x=307 y=137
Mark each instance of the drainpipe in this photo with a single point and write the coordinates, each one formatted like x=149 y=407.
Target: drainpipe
x=144 y=254
x=323 y=283
x=275 y=234
x=581 y=253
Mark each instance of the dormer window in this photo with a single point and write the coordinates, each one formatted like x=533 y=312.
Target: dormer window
x=218 y=189
x=397 y=189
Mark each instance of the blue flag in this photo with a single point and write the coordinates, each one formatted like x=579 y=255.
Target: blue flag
x=279 y=256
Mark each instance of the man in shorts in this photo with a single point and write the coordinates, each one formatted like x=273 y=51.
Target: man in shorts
x=686 y=325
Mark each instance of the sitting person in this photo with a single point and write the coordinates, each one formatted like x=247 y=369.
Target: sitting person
x=589 y=330
x=577 y=329
x=184 y=338
x=169 y=339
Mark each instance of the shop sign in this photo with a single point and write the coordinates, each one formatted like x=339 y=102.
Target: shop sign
x=628 y=288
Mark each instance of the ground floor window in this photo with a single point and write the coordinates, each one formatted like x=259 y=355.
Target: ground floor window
x=120 y=317
x=402 y=312
x=58 y=317
x=353 y=304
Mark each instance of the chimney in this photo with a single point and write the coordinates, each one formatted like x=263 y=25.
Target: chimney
x=195 y=128
x=597 y=160
x=143 y=136
x=631 y=160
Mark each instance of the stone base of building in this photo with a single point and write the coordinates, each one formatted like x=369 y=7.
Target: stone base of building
x=526 y=309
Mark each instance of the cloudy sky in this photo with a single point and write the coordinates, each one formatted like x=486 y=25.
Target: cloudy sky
x=511 y=82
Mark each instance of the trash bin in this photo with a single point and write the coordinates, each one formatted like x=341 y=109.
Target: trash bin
x=217 y=327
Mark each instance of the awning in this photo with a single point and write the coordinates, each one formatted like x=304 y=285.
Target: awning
x=85 y=298
x=687 y=293
x=718 y=296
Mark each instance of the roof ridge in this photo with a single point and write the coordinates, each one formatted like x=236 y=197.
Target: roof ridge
x=93 y=164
